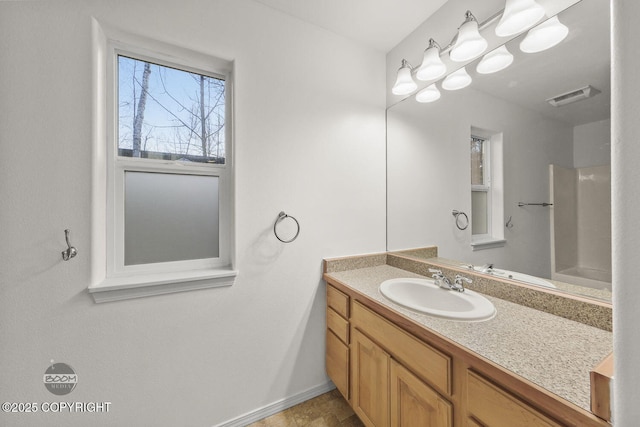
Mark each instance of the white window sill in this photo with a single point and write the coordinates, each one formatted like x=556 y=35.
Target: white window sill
x=128 y=287
x=487 y=244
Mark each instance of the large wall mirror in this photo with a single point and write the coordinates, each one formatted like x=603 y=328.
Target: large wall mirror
x=532 y=178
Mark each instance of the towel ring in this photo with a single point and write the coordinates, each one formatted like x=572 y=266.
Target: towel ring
x=458 y=214
x=281 y=217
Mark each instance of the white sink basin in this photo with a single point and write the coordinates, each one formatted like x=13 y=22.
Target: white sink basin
x=425 y=296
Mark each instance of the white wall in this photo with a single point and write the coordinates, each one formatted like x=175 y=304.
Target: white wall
x=429 y=176
x=625 y=201
x=592 y=144
x=309 y=127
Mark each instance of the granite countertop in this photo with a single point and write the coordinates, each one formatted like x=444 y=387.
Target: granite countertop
x=550 y=351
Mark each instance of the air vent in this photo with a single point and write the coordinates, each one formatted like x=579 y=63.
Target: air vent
x=573 y=96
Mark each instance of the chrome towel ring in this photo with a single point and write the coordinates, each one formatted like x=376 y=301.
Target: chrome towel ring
x=281 y=217
x=465 y=223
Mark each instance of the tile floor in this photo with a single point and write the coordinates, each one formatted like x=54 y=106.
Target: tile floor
x=327 y=410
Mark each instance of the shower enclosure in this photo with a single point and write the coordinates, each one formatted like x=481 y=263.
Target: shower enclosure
x=581 y=225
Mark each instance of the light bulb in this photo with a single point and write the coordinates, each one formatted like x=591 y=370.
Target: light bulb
x=518 y=16
x=428 y=94
x=494 y=61
x=544 y=36
x=432 y=66
x=404 y=84
x=457 y=80
x=469 y=42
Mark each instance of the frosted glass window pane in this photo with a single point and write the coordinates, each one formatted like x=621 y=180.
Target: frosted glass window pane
x=479 y=220
x=170 y=217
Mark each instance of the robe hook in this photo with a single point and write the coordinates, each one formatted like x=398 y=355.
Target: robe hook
x=70 y=252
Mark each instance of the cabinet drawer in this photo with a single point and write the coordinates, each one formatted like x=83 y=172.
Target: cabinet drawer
x=495 y=407
x=338 y=325
x=337 y=363
x=338 y=301
x=430 y=364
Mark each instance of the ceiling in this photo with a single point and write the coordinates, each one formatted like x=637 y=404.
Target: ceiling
x=582 y=59
x=380 y=24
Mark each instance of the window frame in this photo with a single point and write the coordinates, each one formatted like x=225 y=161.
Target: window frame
x=112 y=279
x=485 y=187
x=493 y=185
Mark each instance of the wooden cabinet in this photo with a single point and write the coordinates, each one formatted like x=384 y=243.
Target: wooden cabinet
x=370 y=381
x=385 y=390
x=415 y=404
x=337 y=340
x=495 y=407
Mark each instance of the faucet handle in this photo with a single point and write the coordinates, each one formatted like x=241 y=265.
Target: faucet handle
x=460 y=279
x=437 y=274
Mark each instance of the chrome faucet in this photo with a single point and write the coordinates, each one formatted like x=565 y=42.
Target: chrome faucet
x=445 y=283
x=440 y=280
x=458 y=284
x=487 y=268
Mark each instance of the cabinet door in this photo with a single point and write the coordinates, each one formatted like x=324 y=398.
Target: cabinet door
x=415 y=404
x=337 y=363
x=370 y=381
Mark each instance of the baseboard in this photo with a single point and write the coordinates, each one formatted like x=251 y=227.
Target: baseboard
x=278 y=406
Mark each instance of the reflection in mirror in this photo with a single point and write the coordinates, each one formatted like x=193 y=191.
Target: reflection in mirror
x=552 y=160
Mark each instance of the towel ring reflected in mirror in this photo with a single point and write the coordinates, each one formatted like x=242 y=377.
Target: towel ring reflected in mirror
x=462 y=225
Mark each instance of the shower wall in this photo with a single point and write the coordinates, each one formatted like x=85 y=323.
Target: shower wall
x=581 y=225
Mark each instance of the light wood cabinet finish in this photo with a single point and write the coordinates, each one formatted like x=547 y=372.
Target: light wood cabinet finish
x=338 y=301
x=495 y=407
x=415 y=404
x=337 y=363
x=370 y=381
x=472 y=423
x=601 y=378
x=338 y=325
x=431 y=365
x=337 y=340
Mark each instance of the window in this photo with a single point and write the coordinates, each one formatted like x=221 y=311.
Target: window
x=486 y=189
x=480 y=187
x=168 y=171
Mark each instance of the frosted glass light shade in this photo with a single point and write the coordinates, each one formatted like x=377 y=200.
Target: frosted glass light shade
x=458 y=80
x=432 y=66
x=544 y=36
x=428 y=94
x=494 y=61
x=469 y=43
x=404 y=84
x=518 y=16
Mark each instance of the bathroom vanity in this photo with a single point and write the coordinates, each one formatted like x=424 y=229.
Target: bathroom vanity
x=398 y=367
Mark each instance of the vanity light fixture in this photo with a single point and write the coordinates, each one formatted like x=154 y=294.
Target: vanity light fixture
x=404 y=82
x=432 y=66
x=428 y=94
x=494 y=61
x=518 y=16
x=457 y=80
x=544 y=36
x=469 y=43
